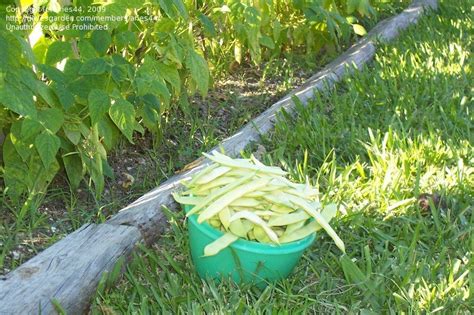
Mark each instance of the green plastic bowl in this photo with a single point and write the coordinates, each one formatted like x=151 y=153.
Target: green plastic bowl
x=243 y=261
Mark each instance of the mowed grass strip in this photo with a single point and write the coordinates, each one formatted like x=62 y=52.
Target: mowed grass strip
x=393 y=146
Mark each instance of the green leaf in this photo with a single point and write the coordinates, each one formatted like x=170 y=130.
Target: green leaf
x=85 y=84
x=352 y=272
x=101 y=41
x=175 y=53
x=165 y=25
x=267 y=42
x=197 y=65
x=119 y=60
x=23 y=145
x=71 y=69
x=139 y=128
x=30 y=128
x=17 y=98
x=46 y=93
x=51 y=118
x=109 y=133
x=365 y=9
x=332 y=27
x=359 y=29
x=52 y=73
x=352 y=5
x=207 y=24
x=119 y=73
x=151 y=118
x=277 y=28
x=171 y=75
x=86 y=50
x=150 y=85
x=47 y=145
x=93 y=66
x=126 y=69
x=39 y=176
x=252 y=16
x=151 y=112
x=65 y=97
x=152 y=101
x=38 y=87
x=113 y=9
x=181 y=8
x=57 y=51
x=40 y=49
x=26 y=49
x=11 y=50
x=72 y=132
x=131 y=4
x=15 y=172
x=253 y=35
x=168 y=8
x=74 y=170
x=99 y=103
x=107 y=169
x=126 y=38
x=122 y=114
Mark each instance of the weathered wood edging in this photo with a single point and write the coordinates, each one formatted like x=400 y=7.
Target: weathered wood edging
x=68 y=272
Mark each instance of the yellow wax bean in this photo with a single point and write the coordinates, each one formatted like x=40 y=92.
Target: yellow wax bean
x=257 y=220
x=289 y=218
x=229 y=197
x=221 y=191
x=187 y=200
x=224 y=216
x=320 y=219
x=261 y=235
x=227 y=161
x=201 y=174
x=215 y=173
x=219 y=244
x=221 y=181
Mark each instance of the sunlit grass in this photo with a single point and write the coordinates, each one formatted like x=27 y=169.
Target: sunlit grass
x=393 y=146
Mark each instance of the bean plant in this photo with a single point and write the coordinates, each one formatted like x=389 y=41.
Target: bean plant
x=76 y=76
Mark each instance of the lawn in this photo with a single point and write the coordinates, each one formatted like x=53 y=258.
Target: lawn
x=393 y=146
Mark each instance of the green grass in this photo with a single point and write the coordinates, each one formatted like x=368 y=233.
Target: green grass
x=375 y=144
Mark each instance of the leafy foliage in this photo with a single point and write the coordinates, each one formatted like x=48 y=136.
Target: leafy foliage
x=74 y=81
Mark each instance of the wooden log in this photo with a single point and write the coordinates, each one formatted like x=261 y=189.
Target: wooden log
x=145 y=213
x=67 y=272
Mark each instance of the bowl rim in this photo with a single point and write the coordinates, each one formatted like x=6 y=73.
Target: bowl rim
x=251 y=246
